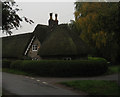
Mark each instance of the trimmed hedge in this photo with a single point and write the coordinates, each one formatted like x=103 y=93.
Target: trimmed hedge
x=96 y=58
x=62 y=68
x=6 y=63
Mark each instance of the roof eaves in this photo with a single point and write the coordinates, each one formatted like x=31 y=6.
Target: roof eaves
x=29 y=45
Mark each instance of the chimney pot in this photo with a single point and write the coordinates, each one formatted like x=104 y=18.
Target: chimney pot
x=51 y=15
x=56 y=16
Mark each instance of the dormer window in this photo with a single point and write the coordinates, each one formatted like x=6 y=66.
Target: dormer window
x=34 y=47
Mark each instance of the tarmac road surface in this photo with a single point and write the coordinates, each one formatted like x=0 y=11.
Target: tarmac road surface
x=25 y=85
x=22 y=85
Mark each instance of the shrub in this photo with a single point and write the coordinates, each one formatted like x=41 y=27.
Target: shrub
x=16 y=64
x=6 y=63
x=96 y=58
x=62 y=68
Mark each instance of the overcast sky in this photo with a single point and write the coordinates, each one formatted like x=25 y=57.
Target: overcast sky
x=39 y=13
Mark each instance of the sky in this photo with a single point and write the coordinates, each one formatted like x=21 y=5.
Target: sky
x=39 y=13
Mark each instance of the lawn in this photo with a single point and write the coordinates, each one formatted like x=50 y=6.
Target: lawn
x=15 y=71
x=94 y=87
x=113 y=70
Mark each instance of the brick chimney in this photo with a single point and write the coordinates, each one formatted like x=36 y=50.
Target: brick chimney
x=50 y=16
x=56 y=21
x=56 y=17
x=51 y=21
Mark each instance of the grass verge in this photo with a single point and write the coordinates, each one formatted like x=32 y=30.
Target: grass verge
x=94 y=87
x=113 y=70
x=16 y=72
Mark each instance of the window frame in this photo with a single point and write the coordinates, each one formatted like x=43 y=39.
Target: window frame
x=34 y=46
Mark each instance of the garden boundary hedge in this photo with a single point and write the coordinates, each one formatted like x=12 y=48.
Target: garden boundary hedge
x=6 y=63
x=62 y=68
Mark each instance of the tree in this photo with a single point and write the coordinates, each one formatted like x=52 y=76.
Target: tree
x=0 y=15
x=99 y=26
x=10 y=17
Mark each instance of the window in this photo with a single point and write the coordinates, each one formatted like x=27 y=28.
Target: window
x=34 y=47
x=67 y=58
x=34 y=58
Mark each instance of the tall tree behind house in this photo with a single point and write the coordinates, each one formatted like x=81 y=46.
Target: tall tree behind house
x=99 y=26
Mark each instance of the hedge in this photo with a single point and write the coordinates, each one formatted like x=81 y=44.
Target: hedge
x=6 y=63
x=62 y=68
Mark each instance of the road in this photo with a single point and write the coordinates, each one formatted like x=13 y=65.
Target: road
x=113 y=77
x=23 y=85
x=0 y=82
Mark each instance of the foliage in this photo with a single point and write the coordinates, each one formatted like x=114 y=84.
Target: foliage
x=18 y=72
x=16 y=64
x=96 y=58
x=113 y=70
x=61 y=68
x=100 y=88
x=6 y=63
x=0 y=15
x=10 y=18
x=99 y=26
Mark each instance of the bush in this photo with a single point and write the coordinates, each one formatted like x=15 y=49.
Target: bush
x=6 y=63
x=96 y=58
x=16 y=64
x=62 y=68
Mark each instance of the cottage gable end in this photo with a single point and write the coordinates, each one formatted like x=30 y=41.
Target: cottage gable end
x=34 y=48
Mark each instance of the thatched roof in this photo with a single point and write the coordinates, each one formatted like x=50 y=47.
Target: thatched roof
x=41 y=32
x=62 y=41
x=56 y=42
x=15 y=46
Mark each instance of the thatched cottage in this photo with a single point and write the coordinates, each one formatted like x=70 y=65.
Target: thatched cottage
x=51 y=41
